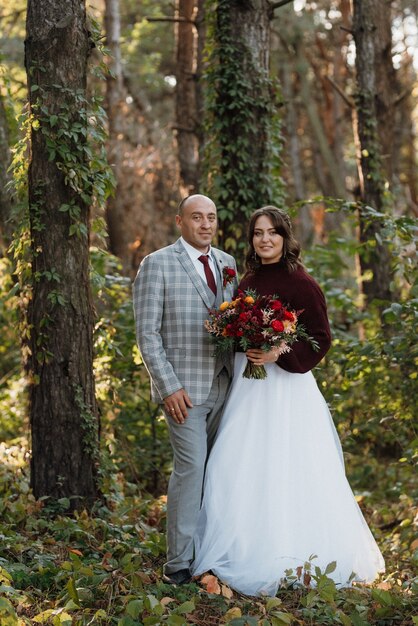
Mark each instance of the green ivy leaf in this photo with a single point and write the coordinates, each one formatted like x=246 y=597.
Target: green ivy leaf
x=72 y=591
x=272 y=603
x=186 y=607
x=8 y=615
x=281 y=619
x=134 y=608
x=357 y=620
x=176 y=620
x=383 y=597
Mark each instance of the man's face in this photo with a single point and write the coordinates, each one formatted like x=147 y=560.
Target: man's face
x=198 y=222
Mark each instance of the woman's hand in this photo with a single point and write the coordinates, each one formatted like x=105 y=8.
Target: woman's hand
x=259 y=357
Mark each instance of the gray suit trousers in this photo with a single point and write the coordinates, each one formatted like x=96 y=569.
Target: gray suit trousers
x=191 y=443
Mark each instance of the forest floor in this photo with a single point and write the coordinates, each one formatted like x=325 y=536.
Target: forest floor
x=104 y=567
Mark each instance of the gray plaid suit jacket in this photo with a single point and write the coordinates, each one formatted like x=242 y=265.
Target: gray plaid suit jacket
x=171 y=304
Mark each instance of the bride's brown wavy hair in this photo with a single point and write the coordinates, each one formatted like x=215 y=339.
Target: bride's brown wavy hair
x=281 y=222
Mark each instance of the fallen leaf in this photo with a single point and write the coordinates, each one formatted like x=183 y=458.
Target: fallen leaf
x=105 y=561
x=74 y=551
x=211 y=584
x=50 y=541
x=261 y=608
x=227 y=592
x=166 y=600
x=384 y=585
x=231 y=614
x=144 y=577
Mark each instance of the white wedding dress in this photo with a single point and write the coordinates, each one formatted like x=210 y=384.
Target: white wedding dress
x=275 y=491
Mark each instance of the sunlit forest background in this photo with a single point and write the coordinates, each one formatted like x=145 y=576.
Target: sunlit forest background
x=311 y=106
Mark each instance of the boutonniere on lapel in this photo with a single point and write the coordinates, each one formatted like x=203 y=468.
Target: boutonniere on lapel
x=228 y=274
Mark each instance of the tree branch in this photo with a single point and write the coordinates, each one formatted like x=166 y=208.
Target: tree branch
x=277 y=5
x=343 y=95
x=402 y=96
x=167 y=18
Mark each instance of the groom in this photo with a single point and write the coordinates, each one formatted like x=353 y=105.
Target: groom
x=173 y=291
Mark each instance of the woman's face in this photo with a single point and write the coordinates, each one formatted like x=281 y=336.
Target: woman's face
x=267 y=243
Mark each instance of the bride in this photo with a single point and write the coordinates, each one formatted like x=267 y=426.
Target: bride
x=275 y=492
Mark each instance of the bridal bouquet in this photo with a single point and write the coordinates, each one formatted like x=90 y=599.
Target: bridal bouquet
x=254 y=321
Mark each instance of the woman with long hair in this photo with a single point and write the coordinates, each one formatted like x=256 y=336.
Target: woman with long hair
x=275 y=494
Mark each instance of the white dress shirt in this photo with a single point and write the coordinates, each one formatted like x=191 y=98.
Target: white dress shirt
x=194 y=255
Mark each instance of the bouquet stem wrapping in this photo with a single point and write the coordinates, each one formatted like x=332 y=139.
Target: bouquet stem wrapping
x=254 y=371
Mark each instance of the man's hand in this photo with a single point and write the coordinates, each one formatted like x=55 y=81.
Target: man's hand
x=176 y=405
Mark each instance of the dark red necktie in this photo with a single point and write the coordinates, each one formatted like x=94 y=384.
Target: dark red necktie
x=210 y=279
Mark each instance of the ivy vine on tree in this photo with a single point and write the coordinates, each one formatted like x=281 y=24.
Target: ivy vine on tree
x=66 y=175
x=242 y=157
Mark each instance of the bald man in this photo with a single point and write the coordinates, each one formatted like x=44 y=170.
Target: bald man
x=173 y=292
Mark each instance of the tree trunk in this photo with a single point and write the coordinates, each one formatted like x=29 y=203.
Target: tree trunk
x=405 y=168
x=200 y=96
x=5 y=191
x=144 y=166
x=387 y=87
x=341 y=119
x=374 y=258
x=317 y=126
x=186 y=114
x=63 y=411
x=118 y=235
x=293 y=138
x=411 y=173
x=241 y=105
x=303 y=221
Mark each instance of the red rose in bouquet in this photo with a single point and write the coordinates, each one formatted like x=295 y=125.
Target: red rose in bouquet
x=254 y=321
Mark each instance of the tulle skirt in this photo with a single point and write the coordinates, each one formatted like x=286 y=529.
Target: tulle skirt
x=275 y=492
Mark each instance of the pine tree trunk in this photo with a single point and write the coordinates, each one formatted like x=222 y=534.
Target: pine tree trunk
x=119 y=236
x=304 y=221
x=200 y=96
x=369 y=119
x=340 y=109
x=63 y=411
x=387 y=87
x=186 y=114
x=333 y=177
x=242 y=107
